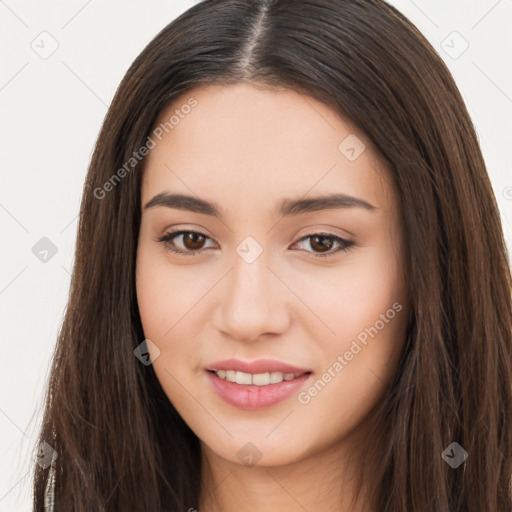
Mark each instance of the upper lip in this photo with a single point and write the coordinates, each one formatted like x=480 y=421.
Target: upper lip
x=255 y=367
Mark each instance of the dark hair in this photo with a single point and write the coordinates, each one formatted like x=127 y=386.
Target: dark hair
x=121 y=444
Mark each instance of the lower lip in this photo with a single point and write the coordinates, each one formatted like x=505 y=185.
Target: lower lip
x=255 y=397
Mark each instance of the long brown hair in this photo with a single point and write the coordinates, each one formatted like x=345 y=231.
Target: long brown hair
x=121 y=445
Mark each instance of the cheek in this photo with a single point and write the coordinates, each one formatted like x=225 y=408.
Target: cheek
x=350 y=297
x=364 y=304
x=166 y=292
x=358 y=366
x=169 y=303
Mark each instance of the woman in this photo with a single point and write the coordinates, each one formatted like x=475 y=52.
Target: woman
x=291 y=289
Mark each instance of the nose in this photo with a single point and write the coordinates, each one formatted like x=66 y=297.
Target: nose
x=254 y=301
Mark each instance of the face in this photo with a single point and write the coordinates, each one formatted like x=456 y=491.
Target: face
x=272 y=275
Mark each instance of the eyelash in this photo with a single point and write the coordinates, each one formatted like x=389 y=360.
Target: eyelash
x=345 y=245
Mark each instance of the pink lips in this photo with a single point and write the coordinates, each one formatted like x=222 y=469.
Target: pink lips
x=252 y=396
x=258 y=366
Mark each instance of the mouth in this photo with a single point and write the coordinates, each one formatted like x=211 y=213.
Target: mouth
x=256 y=379
x=257 y=367
x=255 y=391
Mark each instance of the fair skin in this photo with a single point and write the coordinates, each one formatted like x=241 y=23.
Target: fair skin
x=246 y=150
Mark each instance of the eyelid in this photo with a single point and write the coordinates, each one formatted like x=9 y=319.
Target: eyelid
x=344 y=243
x=169 y=235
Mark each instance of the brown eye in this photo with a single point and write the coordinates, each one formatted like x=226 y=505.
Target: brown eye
x=321 y=243
x=191 y=244
x=193 y=241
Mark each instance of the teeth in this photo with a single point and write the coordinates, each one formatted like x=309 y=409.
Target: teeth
x=258 y=379
x=261 y=379
x=276 y=377
x=243 y=378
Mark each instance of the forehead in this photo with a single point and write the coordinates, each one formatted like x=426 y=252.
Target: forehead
x=263 y=144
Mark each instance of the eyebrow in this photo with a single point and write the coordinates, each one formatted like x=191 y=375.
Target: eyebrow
x=287 y=208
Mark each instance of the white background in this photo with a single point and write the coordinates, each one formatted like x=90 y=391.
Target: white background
x=51 y=113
